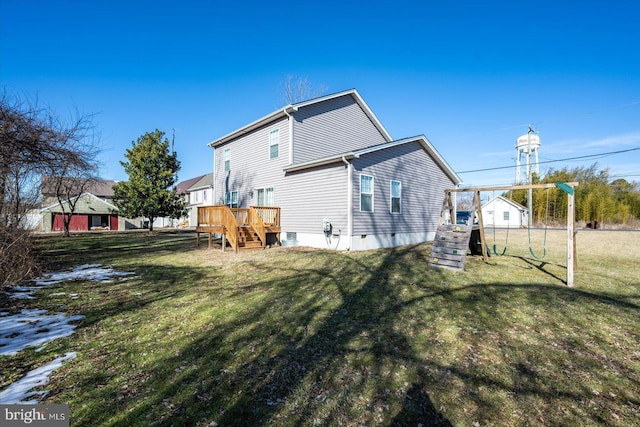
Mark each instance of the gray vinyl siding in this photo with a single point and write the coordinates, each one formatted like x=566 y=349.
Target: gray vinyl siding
x=312 y=195
x=423 y=182
x=332 y=127
x=251 y=168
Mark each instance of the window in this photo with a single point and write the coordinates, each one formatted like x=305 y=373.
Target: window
x=366 y=193
x=204 y=195
x=231 y=199
x=505 y=215
x=265 y=197
x=396 y=195
x=227 y=160
x=274 y=140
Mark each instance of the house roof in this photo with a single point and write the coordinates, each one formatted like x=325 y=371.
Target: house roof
x=509 y=201
x=100 y=188
x=184 y=186
x=421 y=139
x=291 y=108
x=93 y=198
x=205 y=181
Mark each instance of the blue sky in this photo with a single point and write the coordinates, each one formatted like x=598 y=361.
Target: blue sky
x=469 y=75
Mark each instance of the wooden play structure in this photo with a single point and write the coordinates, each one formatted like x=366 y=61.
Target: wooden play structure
x=451 y=242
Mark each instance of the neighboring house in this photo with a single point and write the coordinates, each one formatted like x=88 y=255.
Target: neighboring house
x=504 y=213
x=94 y=209
x=200 y=194
x=340 y=180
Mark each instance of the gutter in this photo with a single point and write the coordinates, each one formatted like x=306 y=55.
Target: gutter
x=290 y=119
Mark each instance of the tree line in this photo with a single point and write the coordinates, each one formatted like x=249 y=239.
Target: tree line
x=597 y=197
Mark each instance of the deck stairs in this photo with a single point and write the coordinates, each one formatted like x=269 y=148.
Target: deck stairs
x=248 y=239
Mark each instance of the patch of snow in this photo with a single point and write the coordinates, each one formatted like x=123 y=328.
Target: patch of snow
x=33 y=328
x=93 y=272
x=21 y=390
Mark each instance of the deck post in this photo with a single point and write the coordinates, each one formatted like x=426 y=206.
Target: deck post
x=210 y=240
x=224 y=241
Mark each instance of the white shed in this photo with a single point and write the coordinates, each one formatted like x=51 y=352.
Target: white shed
x=502 y=212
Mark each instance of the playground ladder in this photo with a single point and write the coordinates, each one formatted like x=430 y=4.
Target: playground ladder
x=452 y=240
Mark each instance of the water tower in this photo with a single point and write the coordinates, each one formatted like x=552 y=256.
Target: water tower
x=527 y=145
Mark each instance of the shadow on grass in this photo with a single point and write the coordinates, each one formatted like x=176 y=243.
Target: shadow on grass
x=376 y=338
x=370 y=340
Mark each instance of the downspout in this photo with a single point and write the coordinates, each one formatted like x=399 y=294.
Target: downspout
x=349 y=201
x=290 y=135
x=213 y=179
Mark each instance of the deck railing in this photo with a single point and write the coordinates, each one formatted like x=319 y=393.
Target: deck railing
x=270 y=215
x=257 y=224
x=210 y=216
x=262 y=219
x=230 y=224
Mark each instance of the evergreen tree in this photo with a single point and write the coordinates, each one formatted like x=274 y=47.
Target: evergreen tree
x=150 y=191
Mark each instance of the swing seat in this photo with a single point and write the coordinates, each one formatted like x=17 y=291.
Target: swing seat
x=475 y=243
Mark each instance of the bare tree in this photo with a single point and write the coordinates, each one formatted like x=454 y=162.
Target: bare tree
x=33 y=141
x=298 y=89
x=72 y=173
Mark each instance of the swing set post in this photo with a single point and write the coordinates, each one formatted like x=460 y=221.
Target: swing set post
x=483 y=242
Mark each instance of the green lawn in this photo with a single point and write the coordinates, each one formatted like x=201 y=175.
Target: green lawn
x=296 y=336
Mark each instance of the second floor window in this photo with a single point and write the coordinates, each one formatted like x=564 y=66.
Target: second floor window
x=274 y=142
x=227 y=160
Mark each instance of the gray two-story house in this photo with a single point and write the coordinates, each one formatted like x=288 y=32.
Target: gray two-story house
x=340 y=180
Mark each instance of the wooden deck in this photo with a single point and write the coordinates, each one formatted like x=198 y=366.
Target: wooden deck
x=242 y=228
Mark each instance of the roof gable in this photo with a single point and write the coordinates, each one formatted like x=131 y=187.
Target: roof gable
x=206 y=181
x=108 y=207
x=184 y=186
x=292 y=108
x=99 y=187
x=505 y=200
x=421 y=139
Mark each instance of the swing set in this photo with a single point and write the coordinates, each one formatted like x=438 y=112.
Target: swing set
x=448 y=252
x=498 y=253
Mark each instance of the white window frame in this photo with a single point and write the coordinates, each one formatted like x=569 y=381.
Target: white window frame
x=268 y=196
x=231 y=199
x=227 y=159
x=371 y=193
x=505 y=216
x=391 y=197
x=274 y=143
